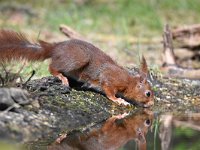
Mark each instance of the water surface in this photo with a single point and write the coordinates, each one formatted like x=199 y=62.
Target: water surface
x=142 y=130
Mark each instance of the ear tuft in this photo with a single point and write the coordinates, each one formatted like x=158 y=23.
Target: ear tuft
x=143 y=67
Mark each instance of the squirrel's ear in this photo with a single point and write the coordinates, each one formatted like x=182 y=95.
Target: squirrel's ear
x=143 y=67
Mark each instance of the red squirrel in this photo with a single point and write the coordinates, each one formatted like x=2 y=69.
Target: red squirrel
x=83 y=62
x=112 y=135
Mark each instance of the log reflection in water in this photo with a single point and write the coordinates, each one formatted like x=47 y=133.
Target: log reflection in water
x=113 y=134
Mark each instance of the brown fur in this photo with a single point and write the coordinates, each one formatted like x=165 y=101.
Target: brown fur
x=81 y=61
x=16 y=45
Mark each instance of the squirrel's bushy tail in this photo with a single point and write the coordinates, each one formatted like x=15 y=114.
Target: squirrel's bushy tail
x=14 y=45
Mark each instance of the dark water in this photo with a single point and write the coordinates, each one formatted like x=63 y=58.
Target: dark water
x=141 y=130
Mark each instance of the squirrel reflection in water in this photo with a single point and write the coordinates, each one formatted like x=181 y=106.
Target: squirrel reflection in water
x=114 y=133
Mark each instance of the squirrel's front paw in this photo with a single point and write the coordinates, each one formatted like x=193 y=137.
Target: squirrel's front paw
x=121 y=101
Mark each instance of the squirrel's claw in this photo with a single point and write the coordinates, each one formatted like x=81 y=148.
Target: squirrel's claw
x=121 y=101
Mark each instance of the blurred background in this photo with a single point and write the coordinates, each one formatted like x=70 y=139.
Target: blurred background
x=124 y=29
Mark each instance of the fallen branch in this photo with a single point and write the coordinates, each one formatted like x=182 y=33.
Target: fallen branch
x=169 y=63
x=187 y=124
x=175 y=71
x=188 y=36
x=70 y=33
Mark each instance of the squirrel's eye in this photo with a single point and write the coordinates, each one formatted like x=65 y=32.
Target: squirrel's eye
x=147 y=122
x=148 y=93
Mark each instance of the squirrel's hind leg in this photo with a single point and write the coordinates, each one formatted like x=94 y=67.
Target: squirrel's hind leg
x=59 y=75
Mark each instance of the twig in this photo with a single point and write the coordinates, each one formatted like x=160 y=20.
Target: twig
x=16 y=75
x=2 y=80
x=168 y=52
x=70 y=33
x=32 y=74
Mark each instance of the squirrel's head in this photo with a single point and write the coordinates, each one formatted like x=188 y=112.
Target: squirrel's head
x=140 y=90
x=138 y=124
